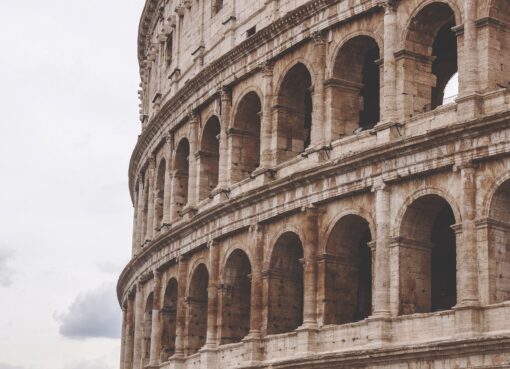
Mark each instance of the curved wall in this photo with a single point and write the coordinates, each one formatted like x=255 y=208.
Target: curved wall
x=308 y=195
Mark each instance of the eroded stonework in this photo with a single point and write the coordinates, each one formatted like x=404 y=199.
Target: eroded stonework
x=309 y=192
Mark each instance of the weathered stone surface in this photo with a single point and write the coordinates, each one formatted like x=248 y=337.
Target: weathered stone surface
x=304 y=194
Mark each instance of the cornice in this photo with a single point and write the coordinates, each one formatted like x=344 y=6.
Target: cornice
x=222 y=64
x=389 y=151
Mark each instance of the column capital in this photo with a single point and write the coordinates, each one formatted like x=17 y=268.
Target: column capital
x=266 y=67
x=318 y=38
x=466 y=165
x=389 y=6
x=193 y=116
x=379 y=185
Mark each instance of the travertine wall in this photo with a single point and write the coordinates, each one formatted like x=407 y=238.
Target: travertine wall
x=303 y=194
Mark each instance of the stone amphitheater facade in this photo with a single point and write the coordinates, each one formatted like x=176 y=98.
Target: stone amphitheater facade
x=306 y=196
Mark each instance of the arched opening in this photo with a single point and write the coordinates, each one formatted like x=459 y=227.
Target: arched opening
x=236 y=298
x=451 y=91
x=197 y=309
x=169 y=320
x=245 y=137
x=285 y=310
x=427 y=257
x=181 y=176
x=147 y=328
x=348 y=277
x=430 y=58
x=294 y=113
x=499 y=250
x=160 y=193
x=209 y=157
x=355 y=86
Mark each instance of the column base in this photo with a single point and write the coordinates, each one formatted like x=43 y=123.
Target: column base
x=208 y=358
x=254 y=352
x=380 y=330
x=469 y=106
x=220 y=194
x=188 y=212
x=388 y=131
x=174 y=362
x=468 y=320
x=267 y=173
x=307 y=339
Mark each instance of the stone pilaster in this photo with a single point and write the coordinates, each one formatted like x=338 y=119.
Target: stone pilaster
x=225 y=117
x=469 y=81
x=169 y=147
x=138 y=334
x=135 y=243
x=150 y=211
x=123 y=337
x=181 y=307
x=129 y=334
x=389 y=100
x=193 y=175
x=139 y=220
x=319 y=66
x=266 y=125
x=310 y=244
x=381 y=278
x=155 y=349
x=212 y=296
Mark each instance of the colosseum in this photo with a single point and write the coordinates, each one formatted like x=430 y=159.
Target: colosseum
x=320 y=184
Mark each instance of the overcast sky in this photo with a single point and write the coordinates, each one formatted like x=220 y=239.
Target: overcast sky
x=69 y=123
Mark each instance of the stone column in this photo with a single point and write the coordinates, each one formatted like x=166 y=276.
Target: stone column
x=310 y=245
x=467 y=261
x=155 y=349
x=266 y=125
x=123 y=337
x=181 y=307
x=319 y=65
x=193 y=175
x=150 y=211
x=469 y=82
x=226 y=105
x=212 y=296
x=138 y=336
x=129 y=334
x=381 y=278
x=168 y=179
x=253 y=340
x=135 y=243
x=389 y=100
x=139 y=218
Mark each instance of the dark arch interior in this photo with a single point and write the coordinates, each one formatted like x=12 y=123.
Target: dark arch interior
x=434 y=43
x=209 y=157
x=348 y=266
x=246 y=137
x=236 y=298
x=169 y=320
x=499 y=251
x=428 y=257
x=294 y=112
x=147 y=328
x=181 y=175
x=356 y=86
x=286 y=285
x=197 y=307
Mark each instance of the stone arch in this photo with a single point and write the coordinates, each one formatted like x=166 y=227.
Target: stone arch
x=294 y=112
x=159 y=196
x=197 y=301
x=147 y=328
x=209 y=156
x=427 y=256
x=354 y=86
x=430 y=55
x=285 y=285
x=235 y=294
x=169 y=319
x=348 y=271
x=498 y=234
x=245 y=136
x=181 y=176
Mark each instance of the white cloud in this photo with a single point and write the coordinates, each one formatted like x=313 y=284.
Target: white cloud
x=8 y=366
x=88 y=364
x=93 y=314
x=5 y=271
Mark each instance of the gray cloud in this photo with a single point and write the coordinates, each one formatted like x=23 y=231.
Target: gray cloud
x=93 y=314
x=5 y=270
